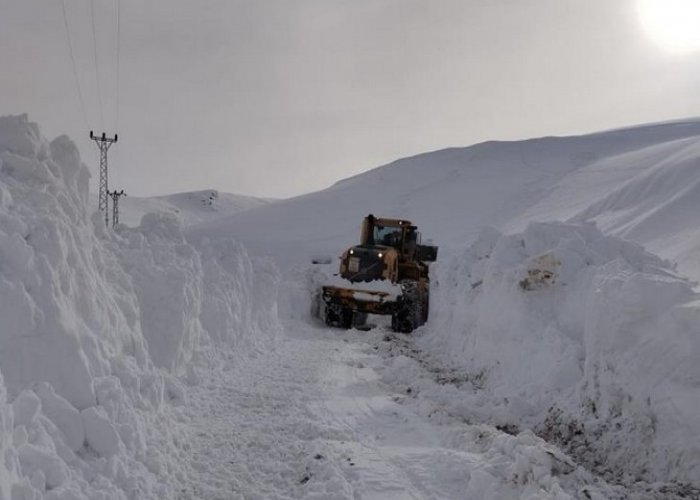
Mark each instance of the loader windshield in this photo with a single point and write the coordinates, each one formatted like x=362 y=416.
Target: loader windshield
x=389 y=236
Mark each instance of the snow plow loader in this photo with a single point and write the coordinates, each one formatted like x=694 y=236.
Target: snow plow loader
x=386 y=274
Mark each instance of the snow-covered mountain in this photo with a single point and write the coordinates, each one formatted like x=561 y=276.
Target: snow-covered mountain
x=637 y=183
x=175 y=357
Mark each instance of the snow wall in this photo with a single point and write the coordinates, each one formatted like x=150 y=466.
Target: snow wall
x=586 y=338
x=99 y=328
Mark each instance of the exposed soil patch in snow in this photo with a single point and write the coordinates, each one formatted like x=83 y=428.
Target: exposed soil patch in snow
x=397 y=344
x=579 y=440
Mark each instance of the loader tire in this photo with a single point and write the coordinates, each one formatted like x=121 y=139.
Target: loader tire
x=338 y=316
x=408 y=317
x=412 y=311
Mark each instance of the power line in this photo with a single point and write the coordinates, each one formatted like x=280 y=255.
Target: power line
x=75 y=70
x=97 y=68
x=119 y=19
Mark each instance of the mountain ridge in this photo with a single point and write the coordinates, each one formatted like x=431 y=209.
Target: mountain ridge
x=506 y=183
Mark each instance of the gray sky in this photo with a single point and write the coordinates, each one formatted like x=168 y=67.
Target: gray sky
x=281 y=97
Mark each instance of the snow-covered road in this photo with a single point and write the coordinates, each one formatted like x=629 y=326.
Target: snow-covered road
x=250 y=428
x=315 y=417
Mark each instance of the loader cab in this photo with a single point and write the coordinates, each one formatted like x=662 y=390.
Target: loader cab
x=384 y=232
x=400 y=234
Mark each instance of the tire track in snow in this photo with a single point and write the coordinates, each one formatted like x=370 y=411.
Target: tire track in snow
x=311 y=419
x=388 y=479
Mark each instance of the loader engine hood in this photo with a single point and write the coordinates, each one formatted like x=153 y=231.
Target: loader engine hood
x=369 y=263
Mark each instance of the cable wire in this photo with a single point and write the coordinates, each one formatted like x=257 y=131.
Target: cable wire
x=75 y=70
x=119 y=19
x=97 y=68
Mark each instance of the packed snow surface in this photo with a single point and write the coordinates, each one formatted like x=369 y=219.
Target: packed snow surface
x=177 y=355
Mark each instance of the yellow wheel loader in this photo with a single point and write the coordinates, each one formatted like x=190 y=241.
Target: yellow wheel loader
x=387 y=273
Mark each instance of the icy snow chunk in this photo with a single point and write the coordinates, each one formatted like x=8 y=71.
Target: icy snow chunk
x=33 y=458
x=38 y=480
x=482 y=484
x=25 y=491
x=175 y=391
x=24 y=169
x=25 y=407
x=109 y=392
x=5 y=196
x=20 y=436
x=17 y=255
x=65 y=153
x=100 y=433
x=18 y=135
x=64 y=415
x=47 y=434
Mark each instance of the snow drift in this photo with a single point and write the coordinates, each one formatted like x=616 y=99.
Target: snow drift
x=96 y=326
x=586 y=338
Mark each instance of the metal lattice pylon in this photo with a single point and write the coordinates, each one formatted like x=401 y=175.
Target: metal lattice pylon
x=115 y=205
x=104 y=144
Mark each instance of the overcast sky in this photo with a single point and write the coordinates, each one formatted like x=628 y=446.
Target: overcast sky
x=281 y=97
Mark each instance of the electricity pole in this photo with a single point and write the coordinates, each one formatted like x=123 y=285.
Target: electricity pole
x=115 y=205
x=104 y=144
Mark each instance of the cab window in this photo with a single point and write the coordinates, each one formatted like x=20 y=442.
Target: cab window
x=389 y=236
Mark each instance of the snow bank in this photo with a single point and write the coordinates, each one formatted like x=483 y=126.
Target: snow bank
x=166 y=273
x=58 y=305
x=584 y=337
x=95 y=325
